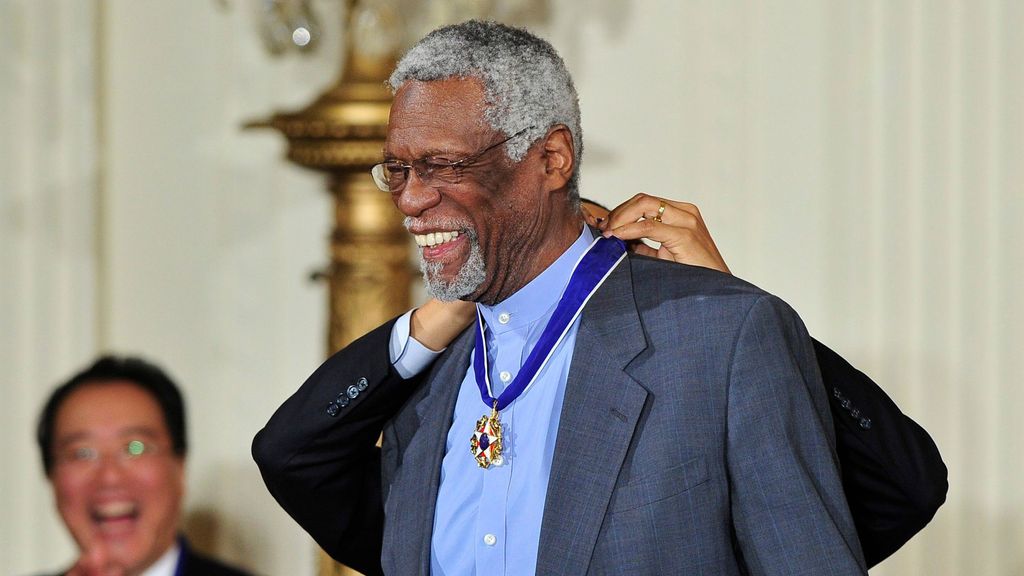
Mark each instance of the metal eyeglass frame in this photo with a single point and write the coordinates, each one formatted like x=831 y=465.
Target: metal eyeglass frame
x=425 y=168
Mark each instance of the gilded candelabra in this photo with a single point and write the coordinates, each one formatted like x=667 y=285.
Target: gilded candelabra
x=342 y=134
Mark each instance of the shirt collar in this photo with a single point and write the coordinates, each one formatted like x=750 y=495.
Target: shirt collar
x=531 y=302
x=167 y=563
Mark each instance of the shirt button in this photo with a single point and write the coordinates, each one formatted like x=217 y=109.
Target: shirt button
x=505 y=376
x=490 y=539
x=504 y=317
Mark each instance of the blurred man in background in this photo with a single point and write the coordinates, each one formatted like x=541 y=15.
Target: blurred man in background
x=113 y=444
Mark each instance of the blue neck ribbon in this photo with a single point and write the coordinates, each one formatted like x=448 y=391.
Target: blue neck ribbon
x=590 y=272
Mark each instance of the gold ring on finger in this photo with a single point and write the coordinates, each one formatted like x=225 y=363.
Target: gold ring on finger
x=661 y=211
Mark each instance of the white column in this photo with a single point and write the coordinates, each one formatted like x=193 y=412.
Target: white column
x=49 y=262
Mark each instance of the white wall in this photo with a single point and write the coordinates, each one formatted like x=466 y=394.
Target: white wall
x=862 y=160
x=48 y=257
x=139 y=218
x=210 y=238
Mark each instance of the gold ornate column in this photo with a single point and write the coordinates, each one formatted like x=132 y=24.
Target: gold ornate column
x=370 y=278
x=342 y=133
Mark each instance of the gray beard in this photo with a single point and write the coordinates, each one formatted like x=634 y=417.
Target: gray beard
x=466 y=281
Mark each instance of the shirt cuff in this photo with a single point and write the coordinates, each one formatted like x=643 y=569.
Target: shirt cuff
x=408 y=356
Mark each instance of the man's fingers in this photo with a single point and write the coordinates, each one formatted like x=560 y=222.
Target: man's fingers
x=435 y=324
x=669 y=236
x=645 y=206
x=631 y=210
x=678 y=244
x=589 y=218
x=679 y=228
x=637 y=230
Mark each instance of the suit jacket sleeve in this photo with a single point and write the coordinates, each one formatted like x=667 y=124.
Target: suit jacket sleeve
x=893 y=475
x=788 y=508
x=318 y=453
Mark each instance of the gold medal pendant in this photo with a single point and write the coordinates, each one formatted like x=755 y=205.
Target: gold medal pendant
x=486 y=441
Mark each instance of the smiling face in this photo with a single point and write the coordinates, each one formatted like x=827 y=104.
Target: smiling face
x=117 y=482
x=489 y=233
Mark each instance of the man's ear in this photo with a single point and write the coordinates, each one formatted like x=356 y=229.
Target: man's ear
x=559 y=160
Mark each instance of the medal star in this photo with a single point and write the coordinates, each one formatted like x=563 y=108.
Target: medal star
x=486 y=443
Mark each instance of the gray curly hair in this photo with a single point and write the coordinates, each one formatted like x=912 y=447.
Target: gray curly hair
x=526 y=83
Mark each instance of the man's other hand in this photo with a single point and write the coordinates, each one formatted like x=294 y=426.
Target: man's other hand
x=679 y=227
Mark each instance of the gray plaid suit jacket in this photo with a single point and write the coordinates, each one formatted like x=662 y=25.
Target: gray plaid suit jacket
x=695 y=438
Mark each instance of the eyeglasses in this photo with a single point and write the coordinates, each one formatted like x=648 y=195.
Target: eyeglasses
x=87 y=456
x=392 y=175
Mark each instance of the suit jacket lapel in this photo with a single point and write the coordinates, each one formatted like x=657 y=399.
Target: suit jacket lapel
x=410 y=522
x=599 y=415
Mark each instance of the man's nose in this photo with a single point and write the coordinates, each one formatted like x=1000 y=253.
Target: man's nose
x=416 y=196
x=110 y=469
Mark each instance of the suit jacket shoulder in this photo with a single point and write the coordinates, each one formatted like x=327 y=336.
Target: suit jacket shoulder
x=892 y=472
x=660 y=281
x=694 y=424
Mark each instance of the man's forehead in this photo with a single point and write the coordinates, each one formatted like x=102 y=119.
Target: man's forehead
x=449 y=93
x=439 y=113
x=108 y=405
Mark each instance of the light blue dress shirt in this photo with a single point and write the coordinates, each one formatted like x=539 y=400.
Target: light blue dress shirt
x=488 y=521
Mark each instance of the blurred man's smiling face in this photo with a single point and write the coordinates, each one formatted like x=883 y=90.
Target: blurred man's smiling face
x=117 y=481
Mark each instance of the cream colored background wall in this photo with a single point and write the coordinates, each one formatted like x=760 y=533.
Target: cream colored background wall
x=48 y=263
x=138 y=218
x=862 y=160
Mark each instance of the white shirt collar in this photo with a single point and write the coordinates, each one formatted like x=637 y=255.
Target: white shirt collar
x=167 y=564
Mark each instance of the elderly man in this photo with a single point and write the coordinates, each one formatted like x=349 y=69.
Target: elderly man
x=113 y=445
x=582 y=425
